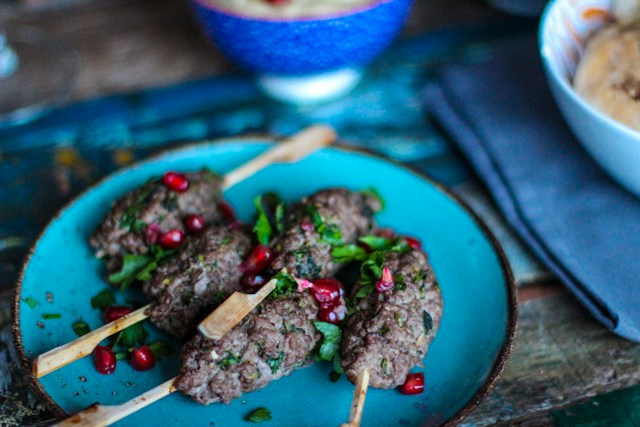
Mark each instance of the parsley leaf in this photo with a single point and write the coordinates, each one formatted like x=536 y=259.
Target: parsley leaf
x=230 y=360
x=133 y=335
x=262 y=227
x=376 y=243
x=131 y=266
x=328 y=233
x=103 y=300
x=80 y=327
x=348 y=253
x=285 y=284
x=51 y=316
x=31 y=302
x=280 y=217
x=259 y=415
x=331 y=340
x=274 y=363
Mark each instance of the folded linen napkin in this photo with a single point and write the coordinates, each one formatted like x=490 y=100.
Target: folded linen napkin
x=579 y=222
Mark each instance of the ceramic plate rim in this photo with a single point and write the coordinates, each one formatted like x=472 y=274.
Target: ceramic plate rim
x=509 y=281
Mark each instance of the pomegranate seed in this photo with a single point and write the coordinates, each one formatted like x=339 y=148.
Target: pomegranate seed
x=386 y=282
x=307 y=226
x=328 y=315
x=194 y=223
x=226 y=211
x=171 y=239
x=413 y=384
x=142 y=359
x=176 y=181
x=105 y=359
x=151 y=234
x=258 y=260
x=115 y=312
x=413 y=242
x=326 y=291
x=253 y=281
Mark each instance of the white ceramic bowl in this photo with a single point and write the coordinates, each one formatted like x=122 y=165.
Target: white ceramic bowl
x=564 y=29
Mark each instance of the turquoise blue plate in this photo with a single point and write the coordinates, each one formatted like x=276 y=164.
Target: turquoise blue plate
x=463 y=363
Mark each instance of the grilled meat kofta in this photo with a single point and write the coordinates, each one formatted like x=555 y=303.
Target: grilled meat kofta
x=138 y=220
x=319 y=222
x=396 y=319
x=275 y=339
x=204 y=272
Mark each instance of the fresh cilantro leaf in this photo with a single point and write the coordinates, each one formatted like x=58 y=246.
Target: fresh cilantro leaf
x=285 y=284
x=103 y=300
x=371 y=269
x=51 y=316
x=122 y=355
x=316 y=219
x=274 y=363
x=400 y=284
x=80 y=327
x=31 y=302
x=259 y=415
x=160 y=349
x=328 y=233
x=364 y=291
x=145 y=273
x=400 y=246
x=372 y=192
x=262 y=227
x=331 y=340
x=130 y=216
x=348 y=253
x=132 y=336
x=337 y=365
x=131 y=266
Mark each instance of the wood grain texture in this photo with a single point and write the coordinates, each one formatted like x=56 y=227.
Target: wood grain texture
x=561 y=356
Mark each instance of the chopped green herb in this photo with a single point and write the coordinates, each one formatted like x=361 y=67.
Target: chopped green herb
x=51 y=316
x=132 y=336
x=399 y=318
x=160 y=349
x=400 y=246
x=145 y=273
x=334 y=376
x=31 y=302
x=427 y=321
x=103 y=300
x=230 y=360
x=262 y=227
x=226 y=240
x=348 y=253
x=274 y=364
x=290 y=327
x=280 y=217
x=132 y=265
x=400 y=284
x=376 y=243
x=372 y=192
x=337 y=365
x=122 y=355
x=80 y=327
x=259 y=415
x=328 y=233
x=384 y=365
x=285 y=284
x=130 y=216
x=330 y=341
x=383 y=330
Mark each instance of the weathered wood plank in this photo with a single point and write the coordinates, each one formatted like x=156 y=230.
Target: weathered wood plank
x=561 y=356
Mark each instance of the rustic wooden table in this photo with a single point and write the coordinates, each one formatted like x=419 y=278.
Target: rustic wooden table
x=566 y=369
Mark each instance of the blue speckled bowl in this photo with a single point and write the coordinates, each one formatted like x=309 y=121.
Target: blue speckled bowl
x=304 y=46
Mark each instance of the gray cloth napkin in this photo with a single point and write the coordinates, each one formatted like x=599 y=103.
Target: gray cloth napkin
x=579 y=222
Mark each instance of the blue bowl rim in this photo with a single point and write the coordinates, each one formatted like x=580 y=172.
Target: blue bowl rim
x=570 y=91
x=502 y=355
x=372 y=4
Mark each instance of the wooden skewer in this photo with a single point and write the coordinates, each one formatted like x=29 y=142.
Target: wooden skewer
x=103 y=415
x=293 y=149
x=233 y=310
x=359 y=395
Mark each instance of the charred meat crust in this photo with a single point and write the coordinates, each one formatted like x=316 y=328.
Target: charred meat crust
x=390 y=332
x=188 y=286
x=275 y=339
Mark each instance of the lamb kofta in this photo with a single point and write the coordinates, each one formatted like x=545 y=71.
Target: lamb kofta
x=397 y=314
x=158 y=212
